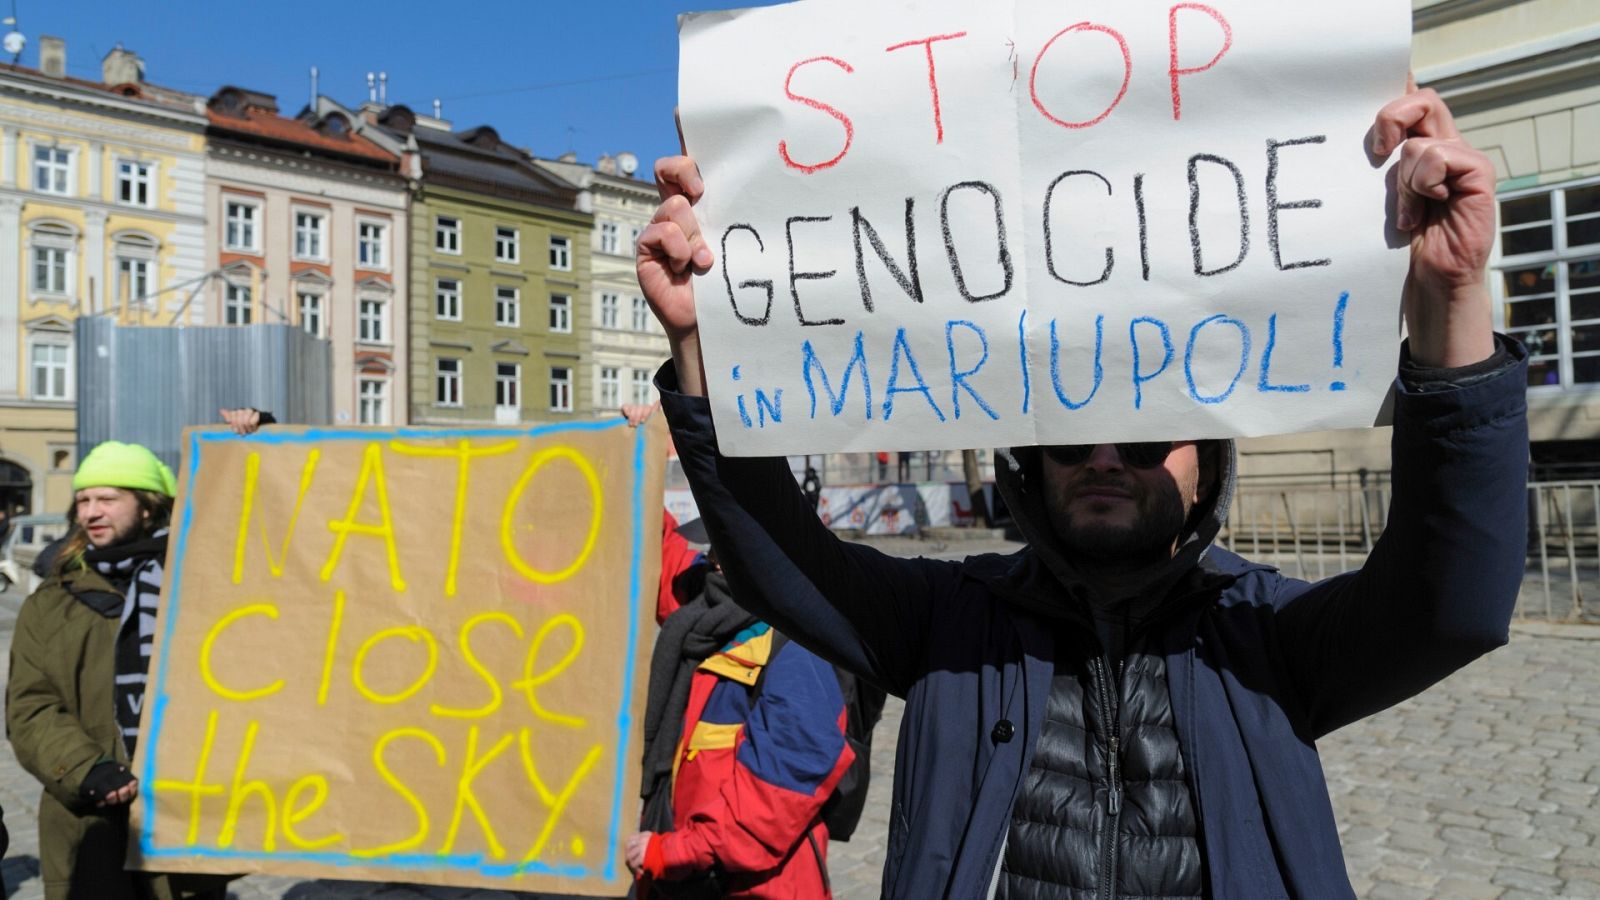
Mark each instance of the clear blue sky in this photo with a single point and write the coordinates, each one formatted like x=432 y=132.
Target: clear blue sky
x=549 y=75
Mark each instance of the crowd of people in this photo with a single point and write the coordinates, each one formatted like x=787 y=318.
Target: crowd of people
x=1120 y=707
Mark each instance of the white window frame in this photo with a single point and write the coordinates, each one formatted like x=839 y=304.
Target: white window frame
x=61 y=369
x=1559 y=258
x=448 y=381
x=370 y=328
x=447 y=237
x=248 y=226
x=141 y=175
x=447 y=300
x=316 y=238
x=508 y=387
x=507 y=306
x=561 y=389
x=60 y=176
x=641 y=314
x=238 y=303
x=560 y=253
x=560 y=313
x=610 y=237
x=641 y=386
x=135 y=270
x=610 y=304
x=318 y=313
x=507 y=244
x=372 y=256
x=610 y=387
x=376 y=400
x=60 y=244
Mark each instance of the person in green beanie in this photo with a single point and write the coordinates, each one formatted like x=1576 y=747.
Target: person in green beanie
x=79 y=658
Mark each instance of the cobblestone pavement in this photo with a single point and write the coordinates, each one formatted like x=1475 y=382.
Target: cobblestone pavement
x=1485 y=786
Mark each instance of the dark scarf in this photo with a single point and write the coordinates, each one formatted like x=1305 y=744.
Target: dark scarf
x=135 y=569
x=698 y=629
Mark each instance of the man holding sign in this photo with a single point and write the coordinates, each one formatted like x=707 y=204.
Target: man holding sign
x=1121 y=707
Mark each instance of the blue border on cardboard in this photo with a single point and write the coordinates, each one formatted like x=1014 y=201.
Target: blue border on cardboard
x=412 y=861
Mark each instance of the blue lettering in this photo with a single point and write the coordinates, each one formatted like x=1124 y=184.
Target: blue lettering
x=958 y=379
x=809 y=360
x=765 y=407
x=1022 y=351
x=1244 y=357
x=901 y=348
x=1264 y=384
x=1055 y=364
x=1139 y=378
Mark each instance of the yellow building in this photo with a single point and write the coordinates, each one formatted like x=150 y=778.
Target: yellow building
x=102 y=189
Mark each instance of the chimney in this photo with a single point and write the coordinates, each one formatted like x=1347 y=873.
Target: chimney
x=607 y=164
x=122 y=67
x=383 y=88
x=52 y=56
x=372 y=87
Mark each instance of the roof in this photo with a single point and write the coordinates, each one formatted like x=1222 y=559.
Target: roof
x=150 y=94
x=477 y=159
x=242 y=112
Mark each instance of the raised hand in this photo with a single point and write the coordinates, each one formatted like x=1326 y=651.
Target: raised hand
x=1444 y=196
x=670 y=252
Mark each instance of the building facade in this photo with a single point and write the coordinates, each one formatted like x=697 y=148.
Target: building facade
x=499 y=278
x=627 y=342
x=1523 y=79
x=101 y=213
x=307 y=224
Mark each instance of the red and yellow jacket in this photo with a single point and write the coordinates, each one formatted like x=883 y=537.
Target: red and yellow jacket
x=751 y=775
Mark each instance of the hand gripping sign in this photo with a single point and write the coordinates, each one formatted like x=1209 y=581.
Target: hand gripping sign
x=941 y=224
x=404 y=655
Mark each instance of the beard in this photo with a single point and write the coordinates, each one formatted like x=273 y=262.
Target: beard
x=1160 y=517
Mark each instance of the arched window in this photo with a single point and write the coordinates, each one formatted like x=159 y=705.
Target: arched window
x=51 y=260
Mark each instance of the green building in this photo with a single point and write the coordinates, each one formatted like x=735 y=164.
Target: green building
x=500 y=284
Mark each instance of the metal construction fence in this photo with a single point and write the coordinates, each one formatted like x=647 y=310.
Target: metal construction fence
x=1315 y=530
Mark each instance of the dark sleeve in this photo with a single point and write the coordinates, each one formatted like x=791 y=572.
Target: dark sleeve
x=853 y=605
x=267 y=418
x=1440 y=585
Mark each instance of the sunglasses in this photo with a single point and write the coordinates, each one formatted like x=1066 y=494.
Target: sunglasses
x=1140 y=455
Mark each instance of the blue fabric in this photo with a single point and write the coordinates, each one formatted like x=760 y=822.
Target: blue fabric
x=792 y=737
x=1255 y=677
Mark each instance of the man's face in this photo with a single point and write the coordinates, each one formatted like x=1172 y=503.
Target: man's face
x=111 y=516
x=1106 y=508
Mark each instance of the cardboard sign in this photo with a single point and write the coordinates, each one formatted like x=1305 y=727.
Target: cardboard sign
x=941 y=224
x=405 y=655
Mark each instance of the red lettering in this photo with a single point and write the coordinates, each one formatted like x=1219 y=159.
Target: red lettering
x=933 y=79
x=1173 y=71
x=1127 y=73
x=849 y=129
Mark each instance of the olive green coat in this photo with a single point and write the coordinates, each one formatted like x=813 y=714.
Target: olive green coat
x=61 y=720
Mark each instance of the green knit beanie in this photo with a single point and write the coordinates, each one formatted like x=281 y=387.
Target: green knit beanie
x=115 y=464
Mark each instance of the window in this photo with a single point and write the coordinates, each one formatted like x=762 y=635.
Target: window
x=52 y=170
x=608 y=310
x=447 y=234
x=447 y=299
x=133 y=280
x=135 y=183
x=372 y=314
x=1550 y=278
x=311 y=313
x=633 y=241
x=610 y=389
x=51 y=372
x=507 y=244
x=50 y=270
x=447 y=382
x=641 y=314
x=240 y=226
x=372 y=400
x=236 y=305
x=608 y=237
x=372 y=245
x=507 y=385
x=507 y=306
x=641 y=386
x=310 y=235
x=561 y=254
x=561 y=313
x=560 y=389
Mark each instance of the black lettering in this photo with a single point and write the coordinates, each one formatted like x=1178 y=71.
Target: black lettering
x=1049 y=244
x=1273 y=205
x=1144 y=234
x=796 y=277
x=750 y=283
x=912 y=283
x=1004 y=256
x=1194 y=213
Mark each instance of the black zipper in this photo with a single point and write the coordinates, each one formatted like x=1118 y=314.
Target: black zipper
x=1110 y=702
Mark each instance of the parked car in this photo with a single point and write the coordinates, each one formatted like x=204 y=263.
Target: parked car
x=28 y=537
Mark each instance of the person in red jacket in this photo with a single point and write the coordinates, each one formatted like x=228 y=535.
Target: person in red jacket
x=744 y=743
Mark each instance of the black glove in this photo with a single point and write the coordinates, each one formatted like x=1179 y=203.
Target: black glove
x=103 y=779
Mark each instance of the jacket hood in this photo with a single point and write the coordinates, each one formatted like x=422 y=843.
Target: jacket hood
x=1019 y=478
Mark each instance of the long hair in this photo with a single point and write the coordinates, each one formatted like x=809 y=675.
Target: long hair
x=157 y=510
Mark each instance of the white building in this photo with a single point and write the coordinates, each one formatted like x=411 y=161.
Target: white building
x=628 y=345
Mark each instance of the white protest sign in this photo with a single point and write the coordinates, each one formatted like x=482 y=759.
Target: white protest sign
x=941 y=224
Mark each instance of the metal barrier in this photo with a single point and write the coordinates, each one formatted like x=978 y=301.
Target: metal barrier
x=1314 y=531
